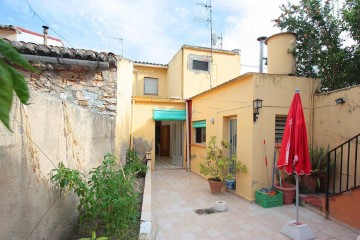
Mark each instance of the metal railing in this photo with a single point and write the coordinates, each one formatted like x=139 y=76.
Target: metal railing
x=342 y=169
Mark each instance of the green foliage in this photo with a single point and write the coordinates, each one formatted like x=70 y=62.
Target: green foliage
x=108 y=202
x=11 y=80
x=320 y=50
x=134 y=164
x=318 y=161
x=93 y=237
x=217 y=163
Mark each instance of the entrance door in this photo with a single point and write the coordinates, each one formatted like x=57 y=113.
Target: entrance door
x=177 y=144
x=165 y=140
x=232 y=141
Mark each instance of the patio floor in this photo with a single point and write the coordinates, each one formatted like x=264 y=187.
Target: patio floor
x=175 y=194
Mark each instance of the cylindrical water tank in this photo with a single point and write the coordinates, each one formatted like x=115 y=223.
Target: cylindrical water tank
x=280 y=53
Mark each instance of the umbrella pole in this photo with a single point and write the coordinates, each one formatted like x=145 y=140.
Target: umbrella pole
x=297 y=198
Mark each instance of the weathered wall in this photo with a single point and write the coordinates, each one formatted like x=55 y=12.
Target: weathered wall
x=46 y=132
x=123 y=117
x=88 y=87
x=336 y=123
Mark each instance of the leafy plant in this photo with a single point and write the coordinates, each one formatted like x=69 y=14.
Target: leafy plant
x=134 y=164
x=321 y=50
x=318 y=160
x=217 y=163
x=93 y=237
x=11 y=80
x=108 y=201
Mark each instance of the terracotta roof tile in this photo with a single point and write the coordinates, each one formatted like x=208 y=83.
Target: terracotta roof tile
x=63 y=52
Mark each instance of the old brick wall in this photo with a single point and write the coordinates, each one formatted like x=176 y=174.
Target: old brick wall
x=88 y=87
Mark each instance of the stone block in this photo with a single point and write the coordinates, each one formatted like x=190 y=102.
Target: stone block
x=79 y=96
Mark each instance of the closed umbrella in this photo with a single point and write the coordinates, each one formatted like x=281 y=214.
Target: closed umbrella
x=294 y=153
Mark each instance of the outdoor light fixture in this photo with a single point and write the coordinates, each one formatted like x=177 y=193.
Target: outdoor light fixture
x=340 y=100
x=257 y=103
x=148 y=156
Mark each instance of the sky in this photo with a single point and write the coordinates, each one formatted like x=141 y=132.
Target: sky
x=152 y=30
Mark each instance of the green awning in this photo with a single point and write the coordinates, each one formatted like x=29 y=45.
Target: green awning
x=199 y=124
x=169 y=115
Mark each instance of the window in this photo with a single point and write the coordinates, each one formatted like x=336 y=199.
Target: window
x=199 y=63
x=200 y=131
x=150 y=86
x=279 y=128
x=200 y=135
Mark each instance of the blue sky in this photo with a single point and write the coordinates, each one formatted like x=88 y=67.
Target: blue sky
x=152 y=30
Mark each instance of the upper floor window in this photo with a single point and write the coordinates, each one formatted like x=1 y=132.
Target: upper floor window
x=199 y=63
x=151 y=86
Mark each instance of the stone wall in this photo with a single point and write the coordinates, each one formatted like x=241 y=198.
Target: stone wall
x=88 y=87
x=71 y=118
x=46 y=132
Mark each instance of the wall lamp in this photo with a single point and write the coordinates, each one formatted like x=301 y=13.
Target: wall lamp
x=340 y=100
x=257 y=103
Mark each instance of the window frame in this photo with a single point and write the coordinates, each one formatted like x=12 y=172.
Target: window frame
x=157 y=86
x=202 y=137
x=199 y=58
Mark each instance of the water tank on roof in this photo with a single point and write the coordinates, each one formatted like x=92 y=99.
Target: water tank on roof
x=279 y=51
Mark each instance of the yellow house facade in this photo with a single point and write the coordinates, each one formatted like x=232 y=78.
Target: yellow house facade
x=227 y=111
x=159 y=93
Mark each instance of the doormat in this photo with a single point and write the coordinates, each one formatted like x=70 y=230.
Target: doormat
x=206 y=211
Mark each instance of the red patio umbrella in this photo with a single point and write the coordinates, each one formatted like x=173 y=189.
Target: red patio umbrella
x=294 y=153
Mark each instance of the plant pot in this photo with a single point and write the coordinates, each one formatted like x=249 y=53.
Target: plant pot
x=230 y=184
x=288 y=190
x=215 y=186
x=309 y=183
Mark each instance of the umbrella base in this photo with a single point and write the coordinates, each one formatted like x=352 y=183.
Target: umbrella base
x=297 y=231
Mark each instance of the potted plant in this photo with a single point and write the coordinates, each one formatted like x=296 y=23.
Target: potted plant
x=217 y=163
x=317 y=179
x=230 y=182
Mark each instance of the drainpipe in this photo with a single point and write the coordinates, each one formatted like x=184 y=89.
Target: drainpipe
x=261 y=40
x=45 y=34
x=188 y=120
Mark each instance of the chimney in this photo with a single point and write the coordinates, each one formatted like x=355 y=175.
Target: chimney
x=261 y=40
x=45 y=34
x=280 y=53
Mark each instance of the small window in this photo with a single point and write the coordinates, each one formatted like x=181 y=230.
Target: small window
x=199 y=63
x=151 y=86
x=279 y=128
x=200 y=135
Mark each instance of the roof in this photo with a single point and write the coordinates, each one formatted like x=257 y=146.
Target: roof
x=62 y=52
x=150 y=64
x=233 y=52
x=8 y=27
x=19 y=29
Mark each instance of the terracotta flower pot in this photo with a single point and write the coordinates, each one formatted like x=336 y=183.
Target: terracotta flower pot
x=288 y=190
x=215 y=187
x=309 y=182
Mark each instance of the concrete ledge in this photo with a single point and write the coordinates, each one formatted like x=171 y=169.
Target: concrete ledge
x=147 y=230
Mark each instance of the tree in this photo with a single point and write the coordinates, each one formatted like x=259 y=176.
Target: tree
x=320 y=50
x=11 y=80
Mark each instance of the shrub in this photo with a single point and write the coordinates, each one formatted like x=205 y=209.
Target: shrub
x=108 y=202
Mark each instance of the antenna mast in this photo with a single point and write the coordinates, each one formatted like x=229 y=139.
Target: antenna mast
x=208 y=6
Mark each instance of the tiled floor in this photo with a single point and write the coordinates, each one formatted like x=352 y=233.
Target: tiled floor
x=177 y=193
x=164 y=162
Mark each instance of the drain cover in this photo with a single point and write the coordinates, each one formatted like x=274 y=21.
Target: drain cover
x=204 y=211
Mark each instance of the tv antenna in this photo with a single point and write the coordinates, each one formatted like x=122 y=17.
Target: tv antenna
x=122 y=44
x=208 y=7
x=215 y=38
